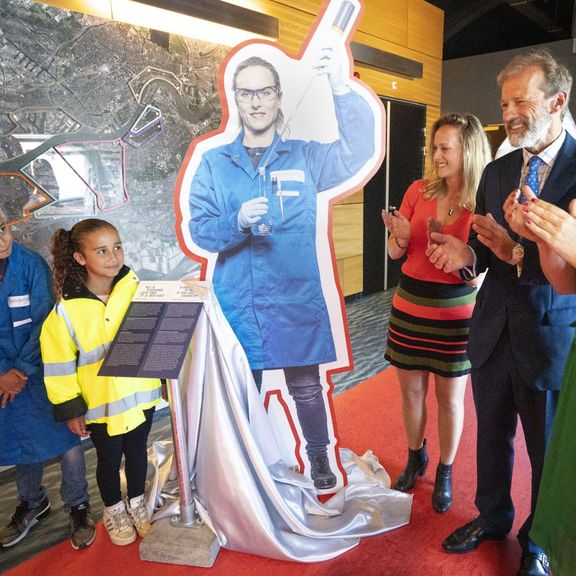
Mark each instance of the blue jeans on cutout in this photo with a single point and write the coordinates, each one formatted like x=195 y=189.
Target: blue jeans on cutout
x=73 y=486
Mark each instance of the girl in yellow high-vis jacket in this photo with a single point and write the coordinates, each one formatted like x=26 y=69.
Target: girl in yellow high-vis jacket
x=94 y=289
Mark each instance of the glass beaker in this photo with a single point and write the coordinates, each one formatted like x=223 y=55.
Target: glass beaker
x=265 y=225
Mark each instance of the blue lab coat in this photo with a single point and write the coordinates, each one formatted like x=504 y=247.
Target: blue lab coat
x=269 y=286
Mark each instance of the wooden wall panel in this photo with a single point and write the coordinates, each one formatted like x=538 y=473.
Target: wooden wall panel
x=310 y=6
x=294 y=24
x=348 y=226
x=357 y=197
x=348 y=220
x=350 y=273
x=386 y=19
x=425 y=90
x=409 y=28
x=425 y=28
x=382 y=19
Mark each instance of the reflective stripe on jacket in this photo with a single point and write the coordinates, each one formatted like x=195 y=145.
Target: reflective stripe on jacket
x=74 y=341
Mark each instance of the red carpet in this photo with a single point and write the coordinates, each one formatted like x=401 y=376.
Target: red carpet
x=368 y=417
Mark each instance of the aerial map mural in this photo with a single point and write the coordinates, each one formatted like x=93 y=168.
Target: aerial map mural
x=95 y=118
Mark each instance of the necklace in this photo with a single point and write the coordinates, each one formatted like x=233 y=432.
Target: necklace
x=450 y=211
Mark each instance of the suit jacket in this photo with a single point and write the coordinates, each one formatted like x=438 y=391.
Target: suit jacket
x=538 y=318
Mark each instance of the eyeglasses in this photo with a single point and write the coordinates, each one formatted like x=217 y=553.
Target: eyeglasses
x=266 y=94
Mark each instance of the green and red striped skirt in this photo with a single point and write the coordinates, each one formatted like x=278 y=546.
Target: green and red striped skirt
x=429 y=326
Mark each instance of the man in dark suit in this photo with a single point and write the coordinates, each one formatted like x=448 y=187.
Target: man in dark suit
x=520 y=332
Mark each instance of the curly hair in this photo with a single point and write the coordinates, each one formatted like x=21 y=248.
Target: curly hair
x=476 y=154
x=64 y=244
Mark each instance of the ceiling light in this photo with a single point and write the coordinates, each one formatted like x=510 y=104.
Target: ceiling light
x=210 y=20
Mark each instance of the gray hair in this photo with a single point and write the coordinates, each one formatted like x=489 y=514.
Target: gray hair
x=557 y=77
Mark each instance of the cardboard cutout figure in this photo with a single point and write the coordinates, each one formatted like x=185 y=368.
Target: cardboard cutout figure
x=254 y=206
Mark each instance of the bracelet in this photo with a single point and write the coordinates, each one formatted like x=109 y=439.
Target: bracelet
x=400 y=245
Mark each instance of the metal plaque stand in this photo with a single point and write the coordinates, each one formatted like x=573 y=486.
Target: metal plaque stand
x=167 y=541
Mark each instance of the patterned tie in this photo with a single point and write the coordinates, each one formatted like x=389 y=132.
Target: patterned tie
x=532 y=176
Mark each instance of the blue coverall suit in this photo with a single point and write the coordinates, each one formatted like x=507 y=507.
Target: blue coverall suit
x=269 y=286
x=27 y=428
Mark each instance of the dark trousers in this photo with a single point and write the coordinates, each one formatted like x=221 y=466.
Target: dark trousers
x=500 y=396
x=109 y=450
x=304 y=386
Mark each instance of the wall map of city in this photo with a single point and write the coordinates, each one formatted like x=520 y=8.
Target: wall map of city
x=95 y=119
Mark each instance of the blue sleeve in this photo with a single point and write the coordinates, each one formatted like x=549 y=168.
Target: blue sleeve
x=331 y=164
x=211 y=226
x=39 y=282
x=5 y=363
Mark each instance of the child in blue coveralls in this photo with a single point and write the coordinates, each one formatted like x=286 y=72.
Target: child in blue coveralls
x=27 y=428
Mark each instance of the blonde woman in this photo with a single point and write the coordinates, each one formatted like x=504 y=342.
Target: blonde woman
x=431 y=309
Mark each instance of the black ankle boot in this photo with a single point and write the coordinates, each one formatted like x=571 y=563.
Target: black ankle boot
x=442 y=495
x=320 y=472
x=416 y=466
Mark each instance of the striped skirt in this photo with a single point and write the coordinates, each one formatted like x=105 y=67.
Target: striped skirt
x=429 y=326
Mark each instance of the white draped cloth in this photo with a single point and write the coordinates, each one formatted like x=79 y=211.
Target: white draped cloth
x=242 y=489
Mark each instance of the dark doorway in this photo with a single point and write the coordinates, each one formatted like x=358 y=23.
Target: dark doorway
x=404 y=163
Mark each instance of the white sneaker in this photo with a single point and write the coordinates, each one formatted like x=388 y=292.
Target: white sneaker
x=118 y=524
x=136 y=508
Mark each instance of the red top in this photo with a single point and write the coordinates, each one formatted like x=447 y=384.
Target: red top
x=418 y=211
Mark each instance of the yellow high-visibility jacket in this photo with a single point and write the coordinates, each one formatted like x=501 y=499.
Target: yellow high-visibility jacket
x=74 y=341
